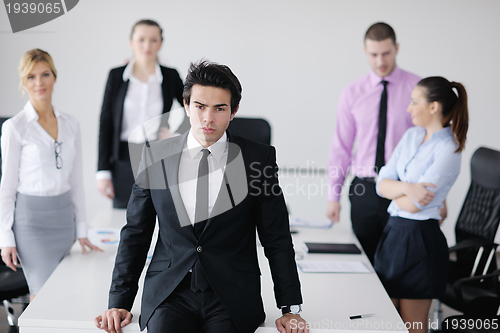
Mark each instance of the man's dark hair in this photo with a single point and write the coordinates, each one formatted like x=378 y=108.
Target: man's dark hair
x=211 y=74
x=380 y=31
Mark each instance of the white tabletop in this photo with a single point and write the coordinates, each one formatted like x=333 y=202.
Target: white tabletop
x=77 y=291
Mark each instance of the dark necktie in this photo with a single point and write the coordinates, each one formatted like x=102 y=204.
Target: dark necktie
x=198 y=279
x=382 y=129
x=201 y=212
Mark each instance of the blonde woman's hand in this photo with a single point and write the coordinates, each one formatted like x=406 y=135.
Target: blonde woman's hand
x=84 y=242
x=9 y=257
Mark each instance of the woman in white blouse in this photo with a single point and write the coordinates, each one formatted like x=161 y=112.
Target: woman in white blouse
x=412 y=255
x=41 y=192
x=135 y=94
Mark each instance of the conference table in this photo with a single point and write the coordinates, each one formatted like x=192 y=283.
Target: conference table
x=77 y=291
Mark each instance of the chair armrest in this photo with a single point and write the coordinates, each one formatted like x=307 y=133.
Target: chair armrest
x=470 y=243
x=457 y=286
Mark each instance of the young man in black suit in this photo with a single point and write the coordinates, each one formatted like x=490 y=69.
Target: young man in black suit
x=210 y=191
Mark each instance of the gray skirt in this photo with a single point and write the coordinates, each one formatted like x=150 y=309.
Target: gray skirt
x=44 y=229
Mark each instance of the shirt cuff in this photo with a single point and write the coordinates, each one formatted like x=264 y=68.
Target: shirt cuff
x=7 y=239
x=334 y=192
x=81 y=230
x=103 y=174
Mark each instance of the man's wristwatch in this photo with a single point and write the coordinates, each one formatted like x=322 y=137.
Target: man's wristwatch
x=293 y=309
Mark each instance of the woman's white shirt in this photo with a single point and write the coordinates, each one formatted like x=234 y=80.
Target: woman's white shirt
x=29 y=166
x=143 y=103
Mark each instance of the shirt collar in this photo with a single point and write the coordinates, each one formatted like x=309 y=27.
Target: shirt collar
x=33 y=115
x=391 y=78
x=127 y=73
x=217 y=149
x=444 y=133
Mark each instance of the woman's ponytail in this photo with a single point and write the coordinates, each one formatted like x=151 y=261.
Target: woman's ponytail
x=454 y=105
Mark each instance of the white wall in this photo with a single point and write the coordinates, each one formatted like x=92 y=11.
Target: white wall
x=292 y=57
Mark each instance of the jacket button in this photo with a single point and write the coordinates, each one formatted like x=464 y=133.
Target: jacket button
x=199 y=249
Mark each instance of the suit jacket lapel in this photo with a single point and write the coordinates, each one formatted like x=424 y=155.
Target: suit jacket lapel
x=122 y=92
x=166 y=105
x=172 y=163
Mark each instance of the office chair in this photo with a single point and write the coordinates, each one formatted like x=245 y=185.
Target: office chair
x=475 y=232
x=13 y=285
x=255 y=129
x=482 y=313
x=13 y=289
x=2 y=120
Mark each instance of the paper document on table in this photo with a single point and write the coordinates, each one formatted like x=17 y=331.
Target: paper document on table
x=108 y=236
x=321 y=224
x=333 y=267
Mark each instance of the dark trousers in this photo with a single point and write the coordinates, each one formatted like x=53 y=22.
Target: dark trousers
x=368 y=214
x=187 y=312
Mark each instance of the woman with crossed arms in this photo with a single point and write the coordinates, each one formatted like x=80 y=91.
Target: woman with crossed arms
x=412 y=255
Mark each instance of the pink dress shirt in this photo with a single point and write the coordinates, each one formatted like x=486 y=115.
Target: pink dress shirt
x=357 y=118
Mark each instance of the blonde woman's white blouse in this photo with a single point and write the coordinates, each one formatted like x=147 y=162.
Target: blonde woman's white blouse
x=29 y=166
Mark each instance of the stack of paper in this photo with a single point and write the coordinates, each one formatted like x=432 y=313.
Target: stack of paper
x=333 y=267
x=322 y=224
x=109 y=236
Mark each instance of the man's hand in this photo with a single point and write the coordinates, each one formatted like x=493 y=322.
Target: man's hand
x=333 y=211
x=443 y=212
x=105 y=186
x=419 y=193
x=290 y=323
x=164 y=133
x=9 y=257
x=113 y=320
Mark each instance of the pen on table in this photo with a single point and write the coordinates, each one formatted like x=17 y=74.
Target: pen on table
x=361 y=316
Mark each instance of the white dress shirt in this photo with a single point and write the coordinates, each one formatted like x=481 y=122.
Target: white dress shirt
x=29 y=166
x=188 y=172
x=143 y=102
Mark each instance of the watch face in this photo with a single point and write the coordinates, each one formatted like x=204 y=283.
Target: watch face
x=295 y=309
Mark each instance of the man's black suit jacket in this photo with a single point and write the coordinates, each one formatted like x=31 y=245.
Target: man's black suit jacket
x=110 y=127
x=227 y=247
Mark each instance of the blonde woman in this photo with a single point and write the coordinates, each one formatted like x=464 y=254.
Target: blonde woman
x=41 y=191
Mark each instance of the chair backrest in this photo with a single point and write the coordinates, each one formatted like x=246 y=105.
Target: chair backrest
x=255 y=129
x=480 y=214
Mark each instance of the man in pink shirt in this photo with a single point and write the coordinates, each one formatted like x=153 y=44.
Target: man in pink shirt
x=372 y=112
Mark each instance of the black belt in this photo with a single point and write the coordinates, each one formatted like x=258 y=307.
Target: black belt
x=371 y=180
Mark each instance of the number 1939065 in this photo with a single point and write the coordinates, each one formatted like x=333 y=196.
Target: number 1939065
x=470 y=324
x=33 y=7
